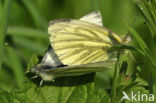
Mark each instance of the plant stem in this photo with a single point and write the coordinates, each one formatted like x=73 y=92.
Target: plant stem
x=3 y=27
x=115 y=80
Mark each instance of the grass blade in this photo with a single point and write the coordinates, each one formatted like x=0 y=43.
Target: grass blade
x=40 y=22
x=30 y=45
x=15 y=65
x=27 y=32
x=4 y=25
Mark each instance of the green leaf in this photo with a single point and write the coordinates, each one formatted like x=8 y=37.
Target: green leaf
x=34 y=60
x=63 y=90
x=5 y=97
x=76 y=89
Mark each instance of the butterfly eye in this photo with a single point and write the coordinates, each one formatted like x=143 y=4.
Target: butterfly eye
x=32 y=69
x=128 y=39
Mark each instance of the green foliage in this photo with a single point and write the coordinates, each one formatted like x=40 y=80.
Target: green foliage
x=149 y=13
x=3 y=27
x=28 y=23
x=23 y=27
x=58 y=93
x=79 y=89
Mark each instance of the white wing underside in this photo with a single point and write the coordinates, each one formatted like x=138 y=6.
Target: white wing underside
x=51 y=59
x=93 y=17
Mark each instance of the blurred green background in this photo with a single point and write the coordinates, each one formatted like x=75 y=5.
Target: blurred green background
x=27 y=31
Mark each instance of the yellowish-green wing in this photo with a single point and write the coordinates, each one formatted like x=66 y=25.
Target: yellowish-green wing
x=79 y=42
x=81 y=69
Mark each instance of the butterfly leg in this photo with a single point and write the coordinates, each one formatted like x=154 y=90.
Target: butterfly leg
x=34 y=77
x=53 y=80
x=41 y=82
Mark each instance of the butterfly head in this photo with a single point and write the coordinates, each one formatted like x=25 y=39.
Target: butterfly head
x=126 y=39
x=36 y=69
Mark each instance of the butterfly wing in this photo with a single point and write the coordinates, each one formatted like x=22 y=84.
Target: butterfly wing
x=81 y=41
x=81 y=69
x=50 y=59
x=93 y=17
x=78 y=42
x=78 y=47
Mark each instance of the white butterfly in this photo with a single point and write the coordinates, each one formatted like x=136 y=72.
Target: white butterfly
x=77 y=47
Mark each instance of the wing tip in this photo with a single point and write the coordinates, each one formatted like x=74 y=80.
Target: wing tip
x=59 y=21
x=96 y=11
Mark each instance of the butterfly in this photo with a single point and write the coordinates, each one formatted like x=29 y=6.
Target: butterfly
x=77 y=47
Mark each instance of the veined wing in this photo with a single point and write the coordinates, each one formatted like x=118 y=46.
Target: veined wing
x=81 y=69
x=78 y=42
x=81 y=41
